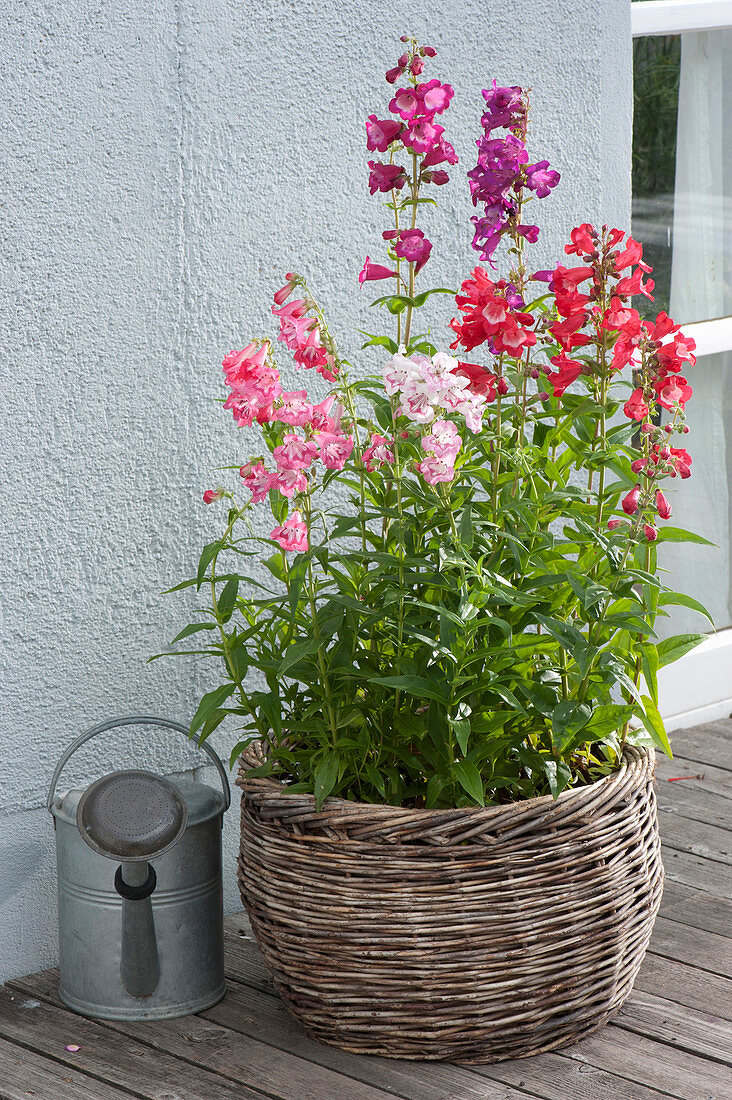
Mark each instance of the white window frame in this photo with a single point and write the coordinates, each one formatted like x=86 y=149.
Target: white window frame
x=699 y=688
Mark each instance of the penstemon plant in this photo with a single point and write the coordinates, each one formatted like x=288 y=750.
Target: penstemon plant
x=471 y=618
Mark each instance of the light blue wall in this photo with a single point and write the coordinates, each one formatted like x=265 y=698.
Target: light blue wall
x=164 y=163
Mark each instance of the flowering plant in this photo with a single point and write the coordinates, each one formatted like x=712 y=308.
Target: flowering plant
x=471 y=619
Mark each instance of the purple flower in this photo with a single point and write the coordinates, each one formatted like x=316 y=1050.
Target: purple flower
x=530 y=232
x=413 y=247
x=386 y=177
x=505 y=106
x=380 y=134
x=543 y=276
x=541 y=178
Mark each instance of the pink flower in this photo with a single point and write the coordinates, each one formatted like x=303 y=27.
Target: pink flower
x=421 y=135
x=258 y=480
x=434 y=470
x=288 y=482
x=334 y=449
x=413 y=247
x=380 y=134
x=370 y=272
x=630 y=501
x=284 y=292
x=312 y=353
x=662 y=506
x=378 y=452
x=211 y=495
x=386 y=177
x=673 y=391
x=437 y=177
x=292 y=535
x=320 y=419
x=294 y=453
x=295 y=409
x=240 y=366
x=650 y=532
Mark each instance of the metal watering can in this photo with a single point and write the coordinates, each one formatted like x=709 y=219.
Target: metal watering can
x=146 y=940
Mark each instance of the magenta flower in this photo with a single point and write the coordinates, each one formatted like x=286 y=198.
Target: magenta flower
x=421 y=135
x=505 y=106
x=386 y=177
x=292 y=535
x=378 y=452
x=392 y=75
x=541 y=178
x=405 y=103
x=381 y=133
x=439 y=176
x=442 y=151
x=416 y=66
x=435 y=96
x=413 y=247
x=370 y=272
x=288 y=482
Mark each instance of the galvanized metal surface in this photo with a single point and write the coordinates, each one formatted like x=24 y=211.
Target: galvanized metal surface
x=185 y=909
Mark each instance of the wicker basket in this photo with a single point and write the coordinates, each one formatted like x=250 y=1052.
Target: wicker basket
x=470 y=935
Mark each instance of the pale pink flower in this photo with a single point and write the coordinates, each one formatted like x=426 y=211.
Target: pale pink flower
x=294 y=453
x=444 y=441
x=292 y=535
x=334 y=449
x=434 y=470
x=416 y=405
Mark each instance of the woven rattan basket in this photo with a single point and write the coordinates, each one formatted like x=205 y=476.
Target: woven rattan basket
x=470 y=935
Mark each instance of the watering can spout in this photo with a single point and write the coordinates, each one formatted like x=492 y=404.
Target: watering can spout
x=140 y=962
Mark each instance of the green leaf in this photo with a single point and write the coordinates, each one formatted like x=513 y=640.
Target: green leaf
x=461 y=726
x=295 y=653
x=227 y=600
x=208 y=553
x=413 y=685
x=653 y=722
x=606 y=720
x=558 y=774
x=192 y=628
x=679 y=599
x=326 y=775
x=469 y=779
x=568 y=719
x=210 y=702
x=670 y=649
x=379 y=341
x=678 y=534
x=466 y=527
x=649 y=666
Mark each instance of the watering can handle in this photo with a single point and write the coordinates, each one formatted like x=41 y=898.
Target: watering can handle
x=136 y=720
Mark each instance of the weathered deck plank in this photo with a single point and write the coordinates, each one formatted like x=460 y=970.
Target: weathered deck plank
x=672 y=1039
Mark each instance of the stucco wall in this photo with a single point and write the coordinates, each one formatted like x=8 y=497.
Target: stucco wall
x=163 y=164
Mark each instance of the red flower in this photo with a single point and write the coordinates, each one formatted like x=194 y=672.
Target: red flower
x=631 y=254
x=566 y=332
x=584 y=240
x=635 y=407
x=481 y=381
x=630 y=501
x=663 y=506
x=672 y=391
x=650 y=532
x=622 y=318
x=568 y=371
x=633 y=284
x=680 y=350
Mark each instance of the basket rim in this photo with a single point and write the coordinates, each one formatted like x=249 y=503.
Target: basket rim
x=637 y=765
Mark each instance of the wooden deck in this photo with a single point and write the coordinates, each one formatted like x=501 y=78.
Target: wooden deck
x=672 y=1039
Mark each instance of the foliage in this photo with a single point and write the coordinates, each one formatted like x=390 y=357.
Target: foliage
x=463 y=581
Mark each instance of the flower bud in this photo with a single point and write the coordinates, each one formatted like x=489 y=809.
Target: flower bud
x=646 y=428
x=502 y=386
x=417 y=66
x=685 y=429
x=663 y=506
x=428 y=51
x=211 y=495
x=543 y=396
x=630 y=501
x=535 y=373
x=650 y=532
x=613 y=523
x=668 y=428
x=638 y=465
x=402 y=61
